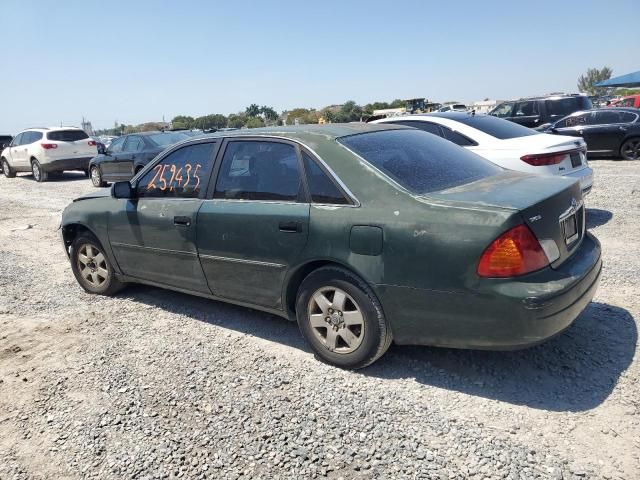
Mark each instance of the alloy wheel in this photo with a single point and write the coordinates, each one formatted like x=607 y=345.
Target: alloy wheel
x=95 y=177
x=336 y=320
x=631 y=149
x=92 y=265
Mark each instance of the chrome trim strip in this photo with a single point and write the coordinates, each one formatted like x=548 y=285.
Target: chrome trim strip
x=153 y=249
x=241 y=260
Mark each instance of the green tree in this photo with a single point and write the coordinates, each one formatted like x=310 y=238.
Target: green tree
x=350 y=112
x=254 y=122
x=235 y=121
x=252 y=110
x=268 y=113
x=586 y=82
x=183 y=122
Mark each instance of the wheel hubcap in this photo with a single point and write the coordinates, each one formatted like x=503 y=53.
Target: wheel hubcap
x=92 y=265
x=336 y=320
x=36 y=171
x=95 y=176
x=632 y=150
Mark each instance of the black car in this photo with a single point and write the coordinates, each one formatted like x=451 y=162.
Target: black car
x=608 y=131
x=127 y=155
x=540 y=112
x=5 y=140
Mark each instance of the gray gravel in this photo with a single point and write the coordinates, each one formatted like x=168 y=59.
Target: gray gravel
x=156 y=384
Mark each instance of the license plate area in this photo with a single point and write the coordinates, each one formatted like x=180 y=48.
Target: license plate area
x=569 y=227
x=576 y=159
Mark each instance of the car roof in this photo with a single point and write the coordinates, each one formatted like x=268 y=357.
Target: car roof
x=298 y=132
x=607 y=109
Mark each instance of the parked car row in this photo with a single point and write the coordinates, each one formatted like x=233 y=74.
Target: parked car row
x=363 y=234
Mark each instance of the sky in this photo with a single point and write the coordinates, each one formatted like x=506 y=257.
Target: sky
x=140 y=60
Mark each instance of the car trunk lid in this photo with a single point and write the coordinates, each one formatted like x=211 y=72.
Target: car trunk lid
x=551 y=207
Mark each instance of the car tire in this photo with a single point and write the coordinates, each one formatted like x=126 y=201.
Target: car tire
x=39 y=174
x=630 y=149
x=96 y=177
x=7 y=170
x=91 y=266
x=341 y=318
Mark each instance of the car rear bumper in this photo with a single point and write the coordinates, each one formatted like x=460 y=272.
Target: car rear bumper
x=585 y=176
x=497 y=314
x=58 y=165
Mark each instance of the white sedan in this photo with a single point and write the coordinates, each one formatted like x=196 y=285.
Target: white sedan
x=507 y=144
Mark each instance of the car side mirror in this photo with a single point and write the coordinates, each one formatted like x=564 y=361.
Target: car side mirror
x=102 y=149
x=122 y=190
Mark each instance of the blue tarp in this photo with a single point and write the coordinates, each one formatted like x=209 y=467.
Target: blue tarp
x=628 y=80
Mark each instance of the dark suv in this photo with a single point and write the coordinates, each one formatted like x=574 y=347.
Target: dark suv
x=540 y=112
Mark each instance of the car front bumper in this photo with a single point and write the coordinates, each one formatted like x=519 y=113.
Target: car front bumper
x=59 y=165
x=497 y=314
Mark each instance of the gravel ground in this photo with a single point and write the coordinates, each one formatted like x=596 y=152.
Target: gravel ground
x=155 y=384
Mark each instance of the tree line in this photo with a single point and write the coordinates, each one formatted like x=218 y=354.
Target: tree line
x=255 y=116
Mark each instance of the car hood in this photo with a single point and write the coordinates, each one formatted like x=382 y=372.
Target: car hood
x=543 y=142
x=98 y=193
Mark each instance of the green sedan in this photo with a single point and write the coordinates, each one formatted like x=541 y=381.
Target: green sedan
x=363 y=234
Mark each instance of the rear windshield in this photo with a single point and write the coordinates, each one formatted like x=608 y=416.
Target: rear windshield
x=496 y=127
x=565 y=106
x=419 y=161
x=67 y=135
x=165 y=139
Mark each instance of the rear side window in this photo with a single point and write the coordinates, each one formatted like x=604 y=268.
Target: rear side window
x=628 y=117
x=258 y=170
x=457 y=138
x=566 y=106
x=424 y=126
x=321 y=187
x=166 y=139
x=67 y=135
x=419 y=162
x=496 y=127
x=183 y=173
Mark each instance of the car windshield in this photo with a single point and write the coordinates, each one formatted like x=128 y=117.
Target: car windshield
x=496 y=127
x=419 y=161
x=165 y=139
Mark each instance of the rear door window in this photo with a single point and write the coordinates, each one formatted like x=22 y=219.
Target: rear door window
x=67 y=135
x=526 y=109
x=134 y=143
x=607 y=117
x=564 y=106
x=259 y=170
x=419 y=162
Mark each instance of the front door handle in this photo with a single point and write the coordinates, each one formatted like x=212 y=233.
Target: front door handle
x=182 y=221
x=624 y=129
x=290 y=227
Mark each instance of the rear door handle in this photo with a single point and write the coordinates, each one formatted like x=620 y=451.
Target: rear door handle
x=290 y=227
x=182 y=221
x=623 y=129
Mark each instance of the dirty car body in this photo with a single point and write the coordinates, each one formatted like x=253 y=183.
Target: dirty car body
x=414 y=234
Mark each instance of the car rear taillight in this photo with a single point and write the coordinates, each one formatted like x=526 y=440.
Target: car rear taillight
x=515 y=252
x=539 y=160
x=92 y=143
x=49 y=146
